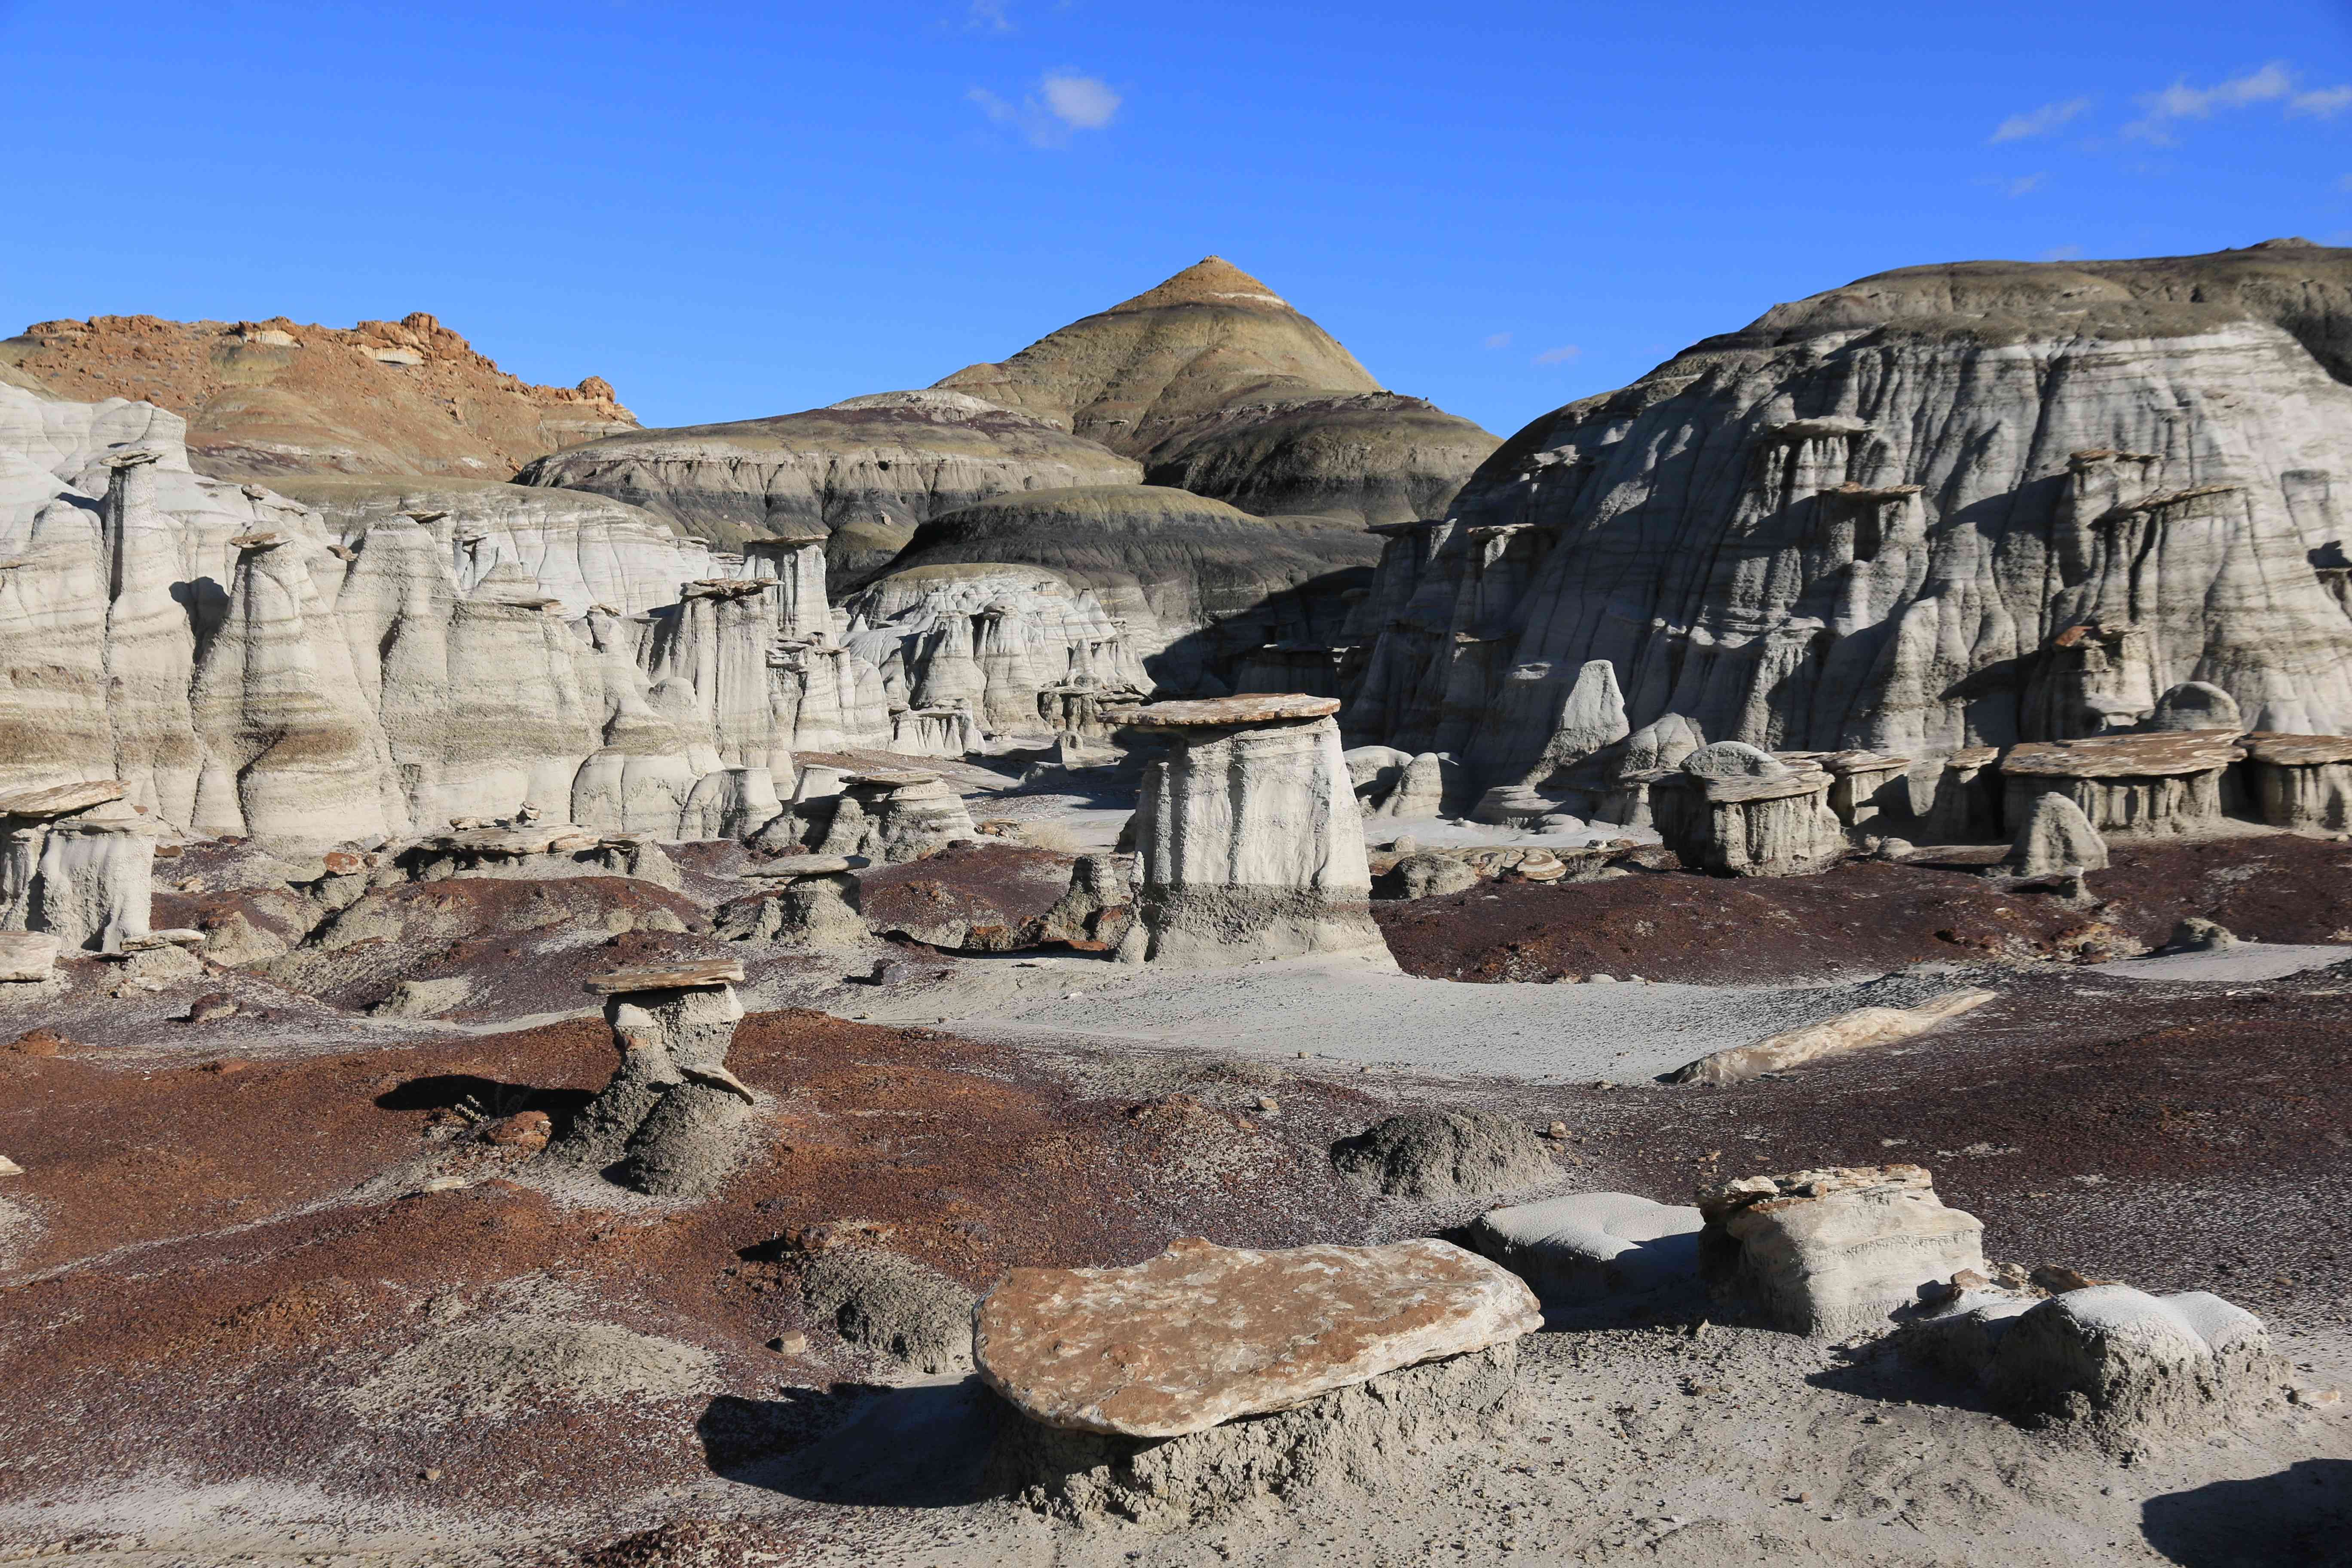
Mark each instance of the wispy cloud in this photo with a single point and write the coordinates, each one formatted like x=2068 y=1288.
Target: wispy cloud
x=2039 y=121
x=2062 y=253
x=987 y=16
x=1065 y=102
x=2273 y=83
x=1503 y=340
x=1560 y=356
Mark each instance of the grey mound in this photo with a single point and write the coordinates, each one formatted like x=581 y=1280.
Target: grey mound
x=2195 y=935
x=893 y=1306
x=2055 y=836
x=1445 y=1154
x=1362 y=1438
x=1429 y=875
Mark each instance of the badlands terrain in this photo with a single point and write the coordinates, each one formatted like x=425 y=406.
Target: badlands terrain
x=1159 y=953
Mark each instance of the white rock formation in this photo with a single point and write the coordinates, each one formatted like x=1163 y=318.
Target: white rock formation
x=2302 y=782
x=240 y=672
x=2054 y=835
x=1735 y=811
x=2133 y=786
x=1585 y=1245
x=1833 y=1253
x=1861 y=1029
x=1251 y=842
x=1943 y=506
x=77 y=862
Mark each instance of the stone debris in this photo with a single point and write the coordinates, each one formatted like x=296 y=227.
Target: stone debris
x=1250 y=843
x=1445 y=1154
x=1848 y=1032
x=424 y=998
x=1132 y=1351
x=673 y=1121
x=2194 y=933
x=9 y=1167
x=1831 y=1253
x=1590 y=1246
x=814 y=904
x=1099 y=907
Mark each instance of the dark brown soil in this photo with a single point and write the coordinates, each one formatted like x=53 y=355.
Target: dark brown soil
x=1865 y=916
x=1002 y=885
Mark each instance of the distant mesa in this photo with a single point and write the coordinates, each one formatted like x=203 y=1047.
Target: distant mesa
x=267 y=399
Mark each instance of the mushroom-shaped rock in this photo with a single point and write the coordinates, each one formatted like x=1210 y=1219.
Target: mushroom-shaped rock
x=673 y=1121
x=811 y=902
x=2136 y=785
x=1831 y=1253
x=1251 y=842
x=1735 y=811
x=2302 y=782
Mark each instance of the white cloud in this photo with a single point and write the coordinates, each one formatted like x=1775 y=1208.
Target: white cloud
x=988 y=17
x=2344 y=182
x=1560 y=356
x=1503 y=340
x=2274 y=83
x=2062 y=253
x=1069 y=103
x=1082 y=102
x=2020 y=186
x=2039 y=121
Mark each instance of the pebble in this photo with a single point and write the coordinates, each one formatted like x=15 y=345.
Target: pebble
x=2295 y=1395
x=9 y=1167
x=432 y=1475
x=794 y=1343
x=443 y=1185
x=1269 y=1104
x=1601 y=979
x=1557 y=1130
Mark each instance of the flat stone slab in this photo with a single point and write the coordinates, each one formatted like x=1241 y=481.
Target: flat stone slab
x=792 y=866
x=894 y=778
x=2297 y=751
x=2249 y=961
x=665 y=977
x=2161 y=754
x=1203 y=1334
x=61 y=800
x=1227 y=712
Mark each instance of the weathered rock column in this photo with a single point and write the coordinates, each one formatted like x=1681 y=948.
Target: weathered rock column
x=1967 y=807
x=1834 y=1252
x=811 y=902
x=1866 y=785
x=2301 y=782
x=673 y=1121
x=1735 y=811
x=2143 y=785
x=896 y=814
x=77 y=863
x=1251 y=842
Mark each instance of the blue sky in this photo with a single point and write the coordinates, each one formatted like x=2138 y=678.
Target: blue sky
x=732 y=211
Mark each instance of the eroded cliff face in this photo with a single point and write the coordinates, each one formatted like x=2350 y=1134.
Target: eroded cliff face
x=267 y=399
x=244 y=671
x=866 y=470
x=1941 y=507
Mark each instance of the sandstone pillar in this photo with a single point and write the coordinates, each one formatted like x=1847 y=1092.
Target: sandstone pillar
x=1251 y=842
x=1735 y=811
x=2145 y=785
x=673 y=1121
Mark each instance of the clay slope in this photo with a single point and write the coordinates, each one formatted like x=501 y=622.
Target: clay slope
x=1166 y=562
x=265 y=399
x=1218 y=384
x=1867 y=519
x=866 y=470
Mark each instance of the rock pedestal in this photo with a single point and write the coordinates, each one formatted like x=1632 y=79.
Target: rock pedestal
x=896 y=816
x=2134 y=785
x=1967 y=807
x=1866 y=785
x=77 y=863
x=1834 y=1252
x=540 y=851
x=810 y=901
x=1250 y=843
x=1096 y=910
x=1735 y=811
x=673 y=1121
x=2303 y=782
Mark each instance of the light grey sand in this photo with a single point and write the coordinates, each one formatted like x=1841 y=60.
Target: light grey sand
x=1348 y=1009
x=2247 y=962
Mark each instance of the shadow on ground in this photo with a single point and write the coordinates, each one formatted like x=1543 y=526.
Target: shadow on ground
x=859 y=1445
x=2301 y=1515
